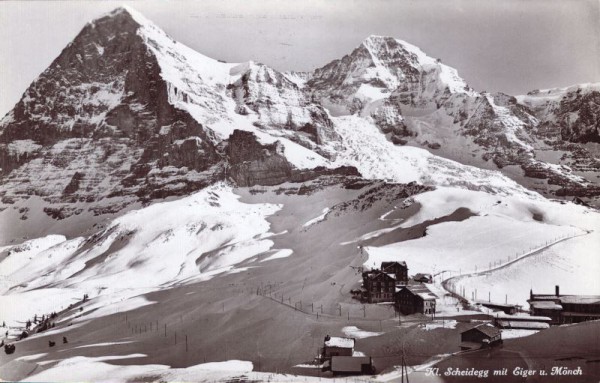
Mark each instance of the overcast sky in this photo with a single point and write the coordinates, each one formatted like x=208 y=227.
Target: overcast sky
x=512 y=46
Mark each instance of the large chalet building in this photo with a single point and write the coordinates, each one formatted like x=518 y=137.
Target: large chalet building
x=398 y=269
x=415 y=299
x=380 y=285
x=565 y=309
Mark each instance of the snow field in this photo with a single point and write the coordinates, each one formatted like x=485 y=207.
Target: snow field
x=474 y=244
x=366 y=148
x=355 y=332
x=505 y=229
x=572 y=264
x=190 y=239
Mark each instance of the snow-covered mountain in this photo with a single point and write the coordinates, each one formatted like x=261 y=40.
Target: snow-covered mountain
x=127 y=114
x=417 y=100
x=168 y=186
x=572 y=112
x=380 y=66
x=98 y=123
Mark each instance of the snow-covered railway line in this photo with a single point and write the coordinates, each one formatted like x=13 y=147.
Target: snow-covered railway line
x=449 y=283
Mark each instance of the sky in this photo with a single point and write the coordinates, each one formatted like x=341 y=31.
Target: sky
x=510 y=46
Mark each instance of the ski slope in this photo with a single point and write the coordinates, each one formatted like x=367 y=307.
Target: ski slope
x=145 y=250
x=505 y=229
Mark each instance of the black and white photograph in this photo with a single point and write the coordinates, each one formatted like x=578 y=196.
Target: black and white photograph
x=343 y=191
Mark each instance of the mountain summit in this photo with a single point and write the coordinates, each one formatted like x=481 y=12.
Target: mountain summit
x=126 y=114
x=98 y=120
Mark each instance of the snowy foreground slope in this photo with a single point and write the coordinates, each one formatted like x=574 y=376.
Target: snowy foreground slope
x=156 y=247
x=501 y=238
x=211 y=240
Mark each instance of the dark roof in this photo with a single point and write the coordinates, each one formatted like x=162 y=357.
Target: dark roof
x=349 y=363
x=492 y=304
x=580 y=299
x=385 y=265
x=575 y=314
x=420 y=276
x=486 y=329
x=375 y=274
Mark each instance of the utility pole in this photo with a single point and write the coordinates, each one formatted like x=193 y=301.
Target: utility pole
x=404 y=369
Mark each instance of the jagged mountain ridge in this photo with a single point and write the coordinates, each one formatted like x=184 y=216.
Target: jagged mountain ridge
x=127 y=112
x=122 y=112
x=415 y=99
x=572 y=111
x=101 y=100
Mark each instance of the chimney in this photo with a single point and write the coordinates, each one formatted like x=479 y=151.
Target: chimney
x=556 y=291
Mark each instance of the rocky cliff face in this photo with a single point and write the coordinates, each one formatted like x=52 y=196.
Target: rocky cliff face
x=279 y=103
x=568 y=122
x=252 y=163
x=416 y=100
x=573 y=112
x=98 y=123
x=126 y=114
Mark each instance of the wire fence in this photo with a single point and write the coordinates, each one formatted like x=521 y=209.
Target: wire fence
x=451 y=284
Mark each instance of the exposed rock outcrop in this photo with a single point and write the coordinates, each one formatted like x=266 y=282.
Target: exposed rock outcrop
x=99 y=123
x=252 y=163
